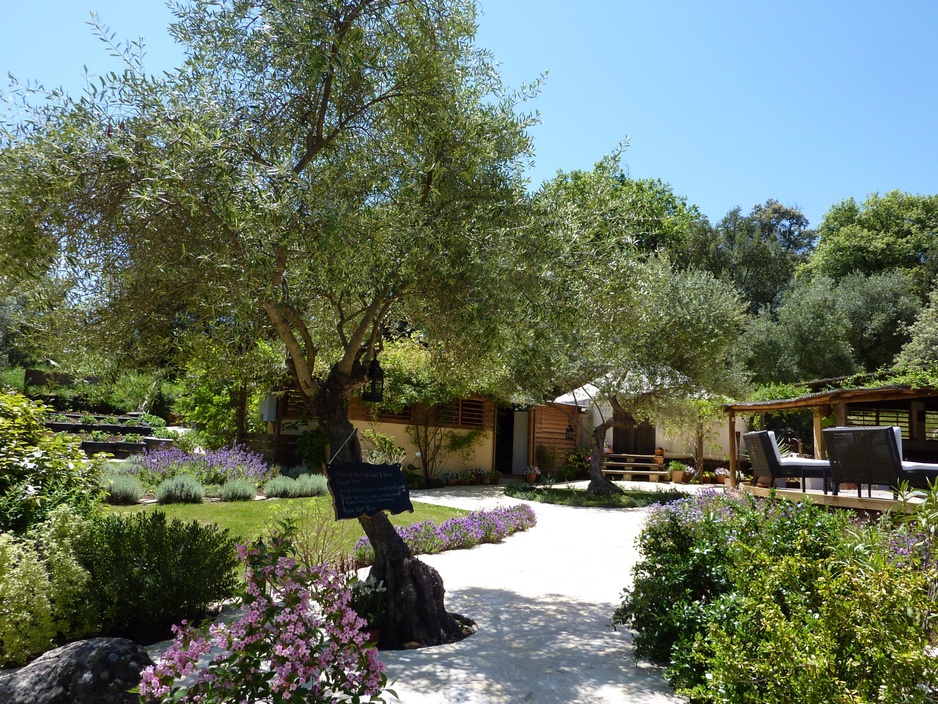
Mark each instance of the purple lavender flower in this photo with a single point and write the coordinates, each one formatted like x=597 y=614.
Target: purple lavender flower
x=456 y=533
x=211 y=467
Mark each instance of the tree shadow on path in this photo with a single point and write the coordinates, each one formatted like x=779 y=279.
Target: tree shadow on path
x=550 y=649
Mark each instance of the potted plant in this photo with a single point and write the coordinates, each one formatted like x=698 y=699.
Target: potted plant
x=131 y=443
x=494 y=476
x=370 y=602
x=659 y=455
x=531 y=473
x=678 y=470
x=95 y=442
x=482 y=477
x=449 y=478
x=721 y=474
x=707 y=477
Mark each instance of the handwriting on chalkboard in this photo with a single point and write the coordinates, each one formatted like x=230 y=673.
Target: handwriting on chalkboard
x=359 y=488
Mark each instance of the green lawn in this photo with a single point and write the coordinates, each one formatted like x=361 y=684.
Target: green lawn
x=246 y=519
x=633 y=498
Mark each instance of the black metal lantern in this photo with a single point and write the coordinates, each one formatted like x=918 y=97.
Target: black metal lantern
x=571 y=432
x=375 y=391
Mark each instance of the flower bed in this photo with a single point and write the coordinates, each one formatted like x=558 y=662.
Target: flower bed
x=425 y=538
x=771 y=601
x=212 y=467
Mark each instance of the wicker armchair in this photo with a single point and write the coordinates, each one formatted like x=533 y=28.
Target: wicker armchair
x=767 y=462
x=873 y=455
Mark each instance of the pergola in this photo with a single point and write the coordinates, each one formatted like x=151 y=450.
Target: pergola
x=896 y=402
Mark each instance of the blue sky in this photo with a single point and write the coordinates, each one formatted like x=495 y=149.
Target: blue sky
x=731 y=103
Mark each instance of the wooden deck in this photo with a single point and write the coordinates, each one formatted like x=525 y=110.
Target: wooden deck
x=882 y=502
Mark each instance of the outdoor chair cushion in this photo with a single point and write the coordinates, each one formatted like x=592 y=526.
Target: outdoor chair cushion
x=767 y=462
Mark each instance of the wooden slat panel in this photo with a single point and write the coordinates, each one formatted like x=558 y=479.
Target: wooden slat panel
x=475 y=412
x=550 y=429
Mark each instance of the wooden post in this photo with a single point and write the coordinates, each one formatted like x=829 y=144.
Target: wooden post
x=734 y=460
x=841 y=409
x=819 y=451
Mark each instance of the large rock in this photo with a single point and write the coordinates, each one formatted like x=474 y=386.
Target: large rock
x=95 y=671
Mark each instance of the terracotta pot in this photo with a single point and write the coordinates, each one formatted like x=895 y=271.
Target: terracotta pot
x=677 y=476
x=531 y=478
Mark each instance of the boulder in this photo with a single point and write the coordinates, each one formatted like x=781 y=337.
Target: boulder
x=95 y=671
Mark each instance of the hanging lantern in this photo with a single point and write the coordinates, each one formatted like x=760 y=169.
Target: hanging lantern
x=571 y=432
x=375 y=390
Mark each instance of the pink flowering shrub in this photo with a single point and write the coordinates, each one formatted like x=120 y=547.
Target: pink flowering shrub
x=297 y=640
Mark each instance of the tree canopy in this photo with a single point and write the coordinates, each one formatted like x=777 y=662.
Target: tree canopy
x=604 y=310
x=756 y=253
x=334 y=169
x=895 y=231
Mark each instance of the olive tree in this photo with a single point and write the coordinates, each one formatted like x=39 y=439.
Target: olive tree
x=340 y=167
x=607 y=312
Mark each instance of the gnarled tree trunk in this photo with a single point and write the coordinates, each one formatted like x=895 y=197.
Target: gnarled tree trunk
x=599 y=483
x=415 y=609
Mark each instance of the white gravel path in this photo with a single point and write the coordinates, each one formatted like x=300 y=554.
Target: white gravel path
x=542 y=600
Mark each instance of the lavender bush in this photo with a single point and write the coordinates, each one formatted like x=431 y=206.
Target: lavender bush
x=752 y=600
x=210 y=467
x=425 y=538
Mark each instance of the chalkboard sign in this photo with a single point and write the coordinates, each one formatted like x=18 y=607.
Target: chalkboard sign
x=359 y=488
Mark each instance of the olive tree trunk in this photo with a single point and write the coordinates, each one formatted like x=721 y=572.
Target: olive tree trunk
x=599 y=482
x=415 y=610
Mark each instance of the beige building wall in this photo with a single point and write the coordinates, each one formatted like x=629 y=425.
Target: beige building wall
x=716 y=439
x=483 y=453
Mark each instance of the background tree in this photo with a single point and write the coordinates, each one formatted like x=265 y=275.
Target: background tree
x=757 y=253
x=921 y=351
x=825 y=329
x=603 y=311
x=426 y=377
x=806 y=338
x=336 y=166
x=896 y=231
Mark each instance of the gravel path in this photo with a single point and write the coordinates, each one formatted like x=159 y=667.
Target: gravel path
x=543 y=600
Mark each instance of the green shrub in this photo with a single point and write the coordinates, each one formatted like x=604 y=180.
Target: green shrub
x=26 y=626
x=318 y=539
x=311 y=485
x=213 y=491
x=147 y=574
x=165 y=434
x=13 y=377
x=130 y=391
x=238 y=490
x=181 y=489
x=56 y=539
x=576 y=465
x=311 y=447
x=123 y=490
x=281 y=488
x=384 y=449
x=43 y=588
x=38 y=470
x=190 y=441
x=694 y=550
x=776 y=602
x=153 y=421
x=798 y=630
